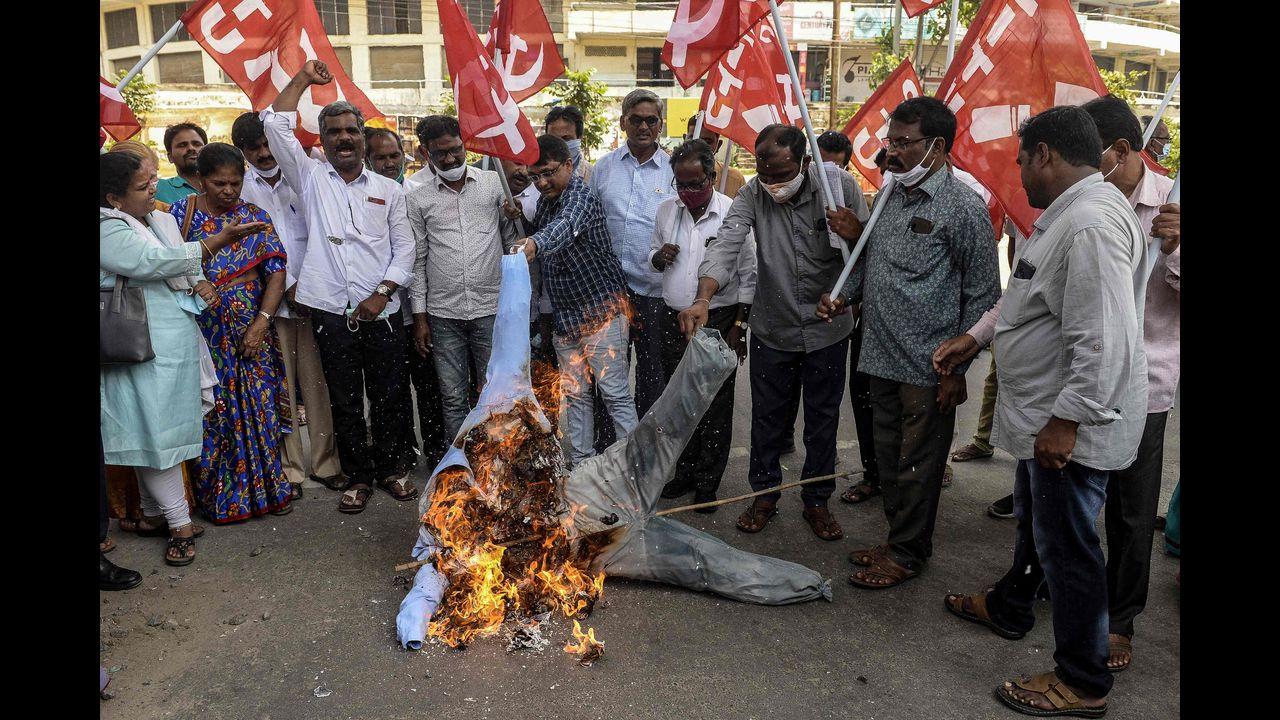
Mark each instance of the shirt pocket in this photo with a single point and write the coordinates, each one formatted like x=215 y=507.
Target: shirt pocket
x=373 y=219
x=919 y=253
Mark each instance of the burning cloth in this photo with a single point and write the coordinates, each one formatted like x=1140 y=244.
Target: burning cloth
x=508 y=529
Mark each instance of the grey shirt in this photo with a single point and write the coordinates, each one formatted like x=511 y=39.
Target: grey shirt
x=461 y=237
x=930 y=273
x=795 y=260
x=1069 y=335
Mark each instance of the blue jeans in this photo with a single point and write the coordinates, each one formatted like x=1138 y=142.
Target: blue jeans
x=604 y=357
x=1057 y=541
x=454 y=344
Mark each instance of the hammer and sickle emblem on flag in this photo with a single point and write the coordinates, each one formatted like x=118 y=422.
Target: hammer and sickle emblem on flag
x=506 y=65
x=685 y=32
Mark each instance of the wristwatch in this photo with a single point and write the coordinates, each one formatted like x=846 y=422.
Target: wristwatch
x=383 y=290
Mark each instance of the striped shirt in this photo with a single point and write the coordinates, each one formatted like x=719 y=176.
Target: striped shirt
x=581 y=273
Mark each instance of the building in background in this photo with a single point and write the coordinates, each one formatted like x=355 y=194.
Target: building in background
x=393 y=50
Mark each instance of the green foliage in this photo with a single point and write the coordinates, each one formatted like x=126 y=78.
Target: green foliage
x=1121 y=84
x=884 y=61
x=1174 y=159
x=447 y=105
x=139 y=95
x=940 y=17
x=843 y=114
x=577 y=88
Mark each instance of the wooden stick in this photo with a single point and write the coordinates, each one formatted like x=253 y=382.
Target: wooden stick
x=784 y=486
x=671 y=511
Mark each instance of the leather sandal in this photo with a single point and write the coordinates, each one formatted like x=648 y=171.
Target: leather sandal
x=1064 y=701
x=337 y=483
x=181 y=545
x=354 y=500
x=822 y=524
x=162 y=530
x=970 y=452
x=860 y=492
x=868 y=556
x=885 y=573
x=974 y=609
x=1119 y=646
x=400 y=488
x=755 y=517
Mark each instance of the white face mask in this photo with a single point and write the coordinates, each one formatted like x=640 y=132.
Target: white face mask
x=575 y=151
x=453 y=175
x=265 y=175
x=910 y=178
x=1115 y=167
x=784 y=191
x=1164 y=151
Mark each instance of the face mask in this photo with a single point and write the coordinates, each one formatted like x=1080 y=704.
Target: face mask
x=696 y=198
x=1115 y=167
x=1164 y=151
x=267 y=175
x=575 y=151
x=784 y=191
x=910 y=178
x=453 y=175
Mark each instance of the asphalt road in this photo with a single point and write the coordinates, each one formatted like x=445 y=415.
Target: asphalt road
x=275 y=608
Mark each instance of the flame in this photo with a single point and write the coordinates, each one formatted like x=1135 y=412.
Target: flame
x=512 y=493
x=588 y=648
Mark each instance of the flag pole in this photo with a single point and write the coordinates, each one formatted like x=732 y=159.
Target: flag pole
x=724 y=176
x=951 y=39
x=798 y=89
x=137 y=68
x=502 y=173
x=1174 y=193
x=881 y=201
x=697 y=125
x=1159 y=113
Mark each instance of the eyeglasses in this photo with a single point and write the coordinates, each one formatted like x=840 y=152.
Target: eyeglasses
x=638 y=120
x=900 y=143
x=438 y=155
x=545 y=174
x=689 y=187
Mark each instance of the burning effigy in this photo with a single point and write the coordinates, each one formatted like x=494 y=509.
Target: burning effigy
x=510 y=535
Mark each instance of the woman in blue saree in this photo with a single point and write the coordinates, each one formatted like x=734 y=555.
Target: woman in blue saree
x=240 y=471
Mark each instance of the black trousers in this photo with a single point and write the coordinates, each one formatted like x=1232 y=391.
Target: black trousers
x=645 y=339
x=703 y=461
x=776 y=378
x=1133 y=499
x=368 y=360
x=102 y=491
x=421 y=375
x=912 y=438
x=604 y=432
x=860 y=398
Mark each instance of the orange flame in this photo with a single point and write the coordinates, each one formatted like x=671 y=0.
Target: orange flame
x=588 y=648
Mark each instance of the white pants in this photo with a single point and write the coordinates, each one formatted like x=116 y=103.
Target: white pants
x=161 y=493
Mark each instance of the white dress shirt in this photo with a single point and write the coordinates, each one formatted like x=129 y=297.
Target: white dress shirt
x=281 y=203
x=357 y=233
x=675 y=225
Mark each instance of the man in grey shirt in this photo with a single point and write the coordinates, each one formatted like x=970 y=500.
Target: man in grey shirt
x=798 y=259
x=1071 y=407
x=930 y=273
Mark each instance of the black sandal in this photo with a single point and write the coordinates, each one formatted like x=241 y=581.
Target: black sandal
x=861 y=492
x=182 y=545
x=337 y=483
x=295 y=491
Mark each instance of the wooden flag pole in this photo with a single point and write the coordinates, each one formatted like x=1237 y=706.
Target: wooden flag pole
x=798 y=89
x=137 y=68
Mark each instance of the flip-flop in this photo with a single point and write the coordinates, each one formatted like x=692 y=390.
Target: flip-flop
x=359 y=498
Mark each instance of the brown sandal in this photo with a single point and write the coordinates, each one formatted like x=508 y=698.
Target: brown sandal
x=860 y=492
x=1119 y=645
x=354 y=500
x=974 y=609
x=107 y=545
x=1055 y=692
x=970 y=452
x=755 y=517
x=400 y=488
x=885 y=568
x=822 y=524
x=868 y=556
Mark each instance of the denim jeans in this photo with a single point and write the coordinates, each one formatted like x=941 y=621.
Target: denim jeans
x=603 y=356
x=1057 y=541
x=455 y=344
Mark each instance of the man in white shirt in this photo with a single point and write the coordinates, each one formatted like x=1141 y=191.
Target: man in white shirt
x=461 y=235
x=263 y=187
x=684 y=226
x=359 y=252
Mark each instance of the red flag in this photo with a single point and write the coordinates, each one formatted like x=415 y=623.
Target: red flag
x=870 y=124
x=262 y=46
x=913 y=8
x=114 y=115
x=704 y=30
x=522 y=45
x=749 y=88
x=490 y=120
x=1018 y=58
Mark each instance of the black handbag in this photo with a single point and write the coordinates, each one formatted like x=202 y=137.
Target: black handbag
x=124 y=336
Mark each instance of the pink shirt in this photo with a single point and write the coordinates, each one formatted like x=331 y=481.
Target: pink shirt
x=1162 y=321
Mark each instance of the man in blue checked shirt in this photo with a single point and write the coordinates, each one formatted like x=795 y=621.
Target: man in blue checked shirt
x=588 y=295
x=631 y=181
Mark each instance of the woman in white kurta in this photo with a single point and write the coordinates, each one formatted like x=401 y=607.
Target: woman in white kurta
x=151 y=412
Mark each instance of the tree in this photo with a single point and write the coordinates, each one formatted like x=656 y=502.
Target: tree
x=1174 y=159
x=577 y=88
x=1121 y=84
x=937 y=27
x=139 y=95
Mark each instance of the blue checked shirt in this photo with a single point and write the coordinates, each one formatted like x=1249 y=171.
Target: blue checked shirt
x=581 y=273
x=631 y=192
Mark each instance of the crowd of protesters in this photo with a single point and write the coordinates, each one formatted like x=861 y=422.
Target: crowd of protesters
x=287 y=292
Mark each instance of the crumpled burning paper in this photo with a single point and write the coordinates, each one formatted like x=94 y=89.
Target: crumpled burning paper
x=612 y=497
